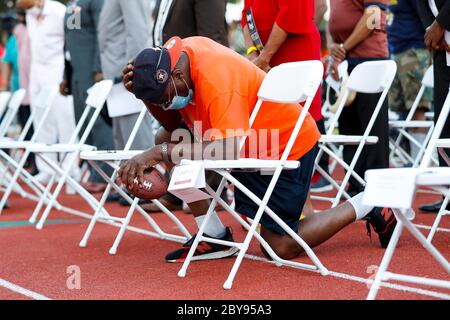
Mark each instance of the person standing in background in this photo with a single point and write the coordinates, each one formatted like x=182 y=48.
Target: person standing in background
x=45 y=25
x=123 y=30
x=17 y=71
x=358 y=33
x=82 y=46
x=2 y=53
x=24 y=57
x=188 y=18
x=320 y=8
x=405 y=34
x=289 y=33
x=10 y=70
x=435 y=16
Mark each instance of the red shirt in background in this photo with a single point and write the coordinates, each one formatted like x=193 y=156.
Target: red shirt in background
x=303 y=42
x=344 y=16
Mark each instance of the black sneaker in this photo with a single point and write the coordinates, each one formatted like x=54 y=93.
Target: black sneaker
x=383 y=221
x=205 y=250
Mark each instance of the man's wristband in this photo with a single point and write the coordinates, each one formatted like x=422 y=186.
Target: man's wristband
x=251 y=50
x=165 y=152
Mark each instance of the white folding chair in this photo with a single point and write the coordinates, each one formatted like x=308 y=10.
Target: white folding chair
x=13 y=103
x=403 y=126
x=329 y=109
x=367 y=77
x=286 y=83
x=425 y=176
x=95 y=101
x=335 y=86
x=4 y=98
x=113 y=158
x=44 y=101
x=441 y=144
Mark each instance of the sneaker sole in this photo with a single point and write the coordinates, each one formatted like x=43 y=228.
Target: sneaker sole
x=209 y=256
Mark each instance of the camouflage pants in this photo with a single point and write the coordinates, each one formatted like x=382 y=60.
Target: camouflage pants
x=411 y=66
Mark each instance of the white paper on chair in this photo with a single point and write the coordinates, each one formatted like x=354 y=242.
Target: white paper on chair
x=186 y=181
x=393 y=188
x=121 y=102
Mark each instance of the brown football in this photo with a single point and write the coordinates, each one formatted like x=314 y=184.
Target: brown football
x=154 y=185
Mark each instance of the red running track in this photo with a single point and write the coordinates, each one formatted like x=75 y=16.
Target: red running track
x=38 y=261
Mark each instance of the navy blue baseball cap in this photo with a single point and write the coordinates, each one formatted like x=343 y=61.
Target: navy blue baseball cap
x=153 y=68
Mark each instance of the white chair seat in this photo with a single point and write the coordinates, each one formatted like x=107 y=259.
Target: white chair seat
x=109 y=155
x=59 y=147
x=411 y=124
x=437 y=176
x=13 y=144
x=247 y=163
x=443 y=143
x=434 y=177
x=429 y=115
x=344 y=139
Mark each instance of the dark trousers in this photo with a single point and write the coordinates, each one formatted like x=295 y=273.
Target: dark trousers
x=353 y=121
x=441 y=85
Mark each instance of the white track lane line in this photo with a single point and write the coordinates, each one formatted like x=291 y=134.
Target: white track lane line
x=18 y=289
x=345 y=276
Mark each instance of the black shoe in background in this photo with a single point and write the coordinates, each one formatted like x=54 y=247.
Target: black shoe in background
x=433 y=207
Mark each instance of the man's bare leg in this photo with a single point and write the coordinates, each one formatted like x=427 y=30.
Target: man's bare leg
x=314 y=230
x=308 y=208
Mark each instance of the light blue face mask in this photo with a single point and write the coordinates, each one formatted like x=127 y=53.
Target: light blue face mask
x=180 y=102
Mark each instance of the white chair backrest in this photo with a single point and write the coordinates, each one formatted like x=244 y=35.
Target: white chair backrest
x=289 y=83
x=428 y=78
x=136 y=127
x=98 y=93
x=285 y=83
x=95 y=101
x=16 y=99
x=440 y=123
x=13 y=107
x=4 y=98
x=372 y=76
x=367 y=77
x=343 y=76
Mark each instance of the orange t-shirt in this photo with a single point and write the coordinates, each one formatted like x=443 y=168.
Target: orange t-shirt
x=225 y=92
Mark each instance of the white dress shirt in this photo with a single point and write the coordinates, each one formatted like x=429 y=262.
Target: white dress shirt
x=46 y=32
x=161 y=18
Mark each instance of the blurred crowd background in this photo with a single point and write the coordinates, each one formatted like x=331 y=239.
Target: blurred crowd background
x=76 y=43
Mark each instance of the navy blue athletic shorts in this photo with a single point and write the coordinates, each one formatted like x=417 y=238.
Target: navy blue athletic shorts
x=288 y=196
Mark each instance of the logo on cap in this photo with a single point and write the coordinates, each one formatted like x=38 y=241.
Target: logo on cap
x=171 y=43
x=161 y=75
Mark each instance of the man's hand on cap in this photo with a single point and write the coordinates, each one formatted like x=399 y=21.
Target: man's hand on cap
x=127 y=76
